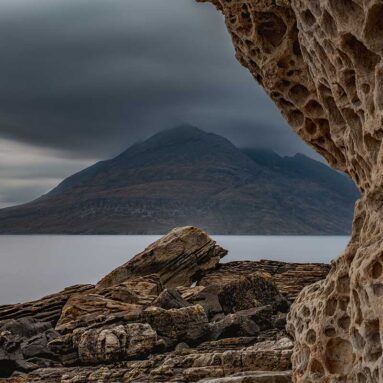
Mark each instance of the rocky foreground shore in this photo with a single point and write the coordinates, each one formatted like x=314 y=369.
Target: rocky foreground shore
x=173 y=313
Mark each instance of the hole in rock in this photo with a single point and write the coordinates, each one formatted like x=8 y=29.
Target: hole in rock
x=298 y=93
x=338 y=356
x=346 y=10
x=310 y=127
x=344 y=322
x=362 y=57
x=295 y=118
x=374 y=26
x=314 y=109
x=343 y=303
x=373 y=347
x=361 y=378
x=377 y=288
x=297 y=48
x=330 y=332
x=308 y=18
x=271 y=28
x=245 y=20
x=316 y=368
x=366 y=88
x=328 y=24
x=357 y=340
x=7 y=368
x=331 y=307
x=311 y=336
x=376 y=270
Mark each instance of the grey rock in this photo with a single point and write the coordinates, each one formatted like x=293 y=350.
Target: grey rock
x=170 y=299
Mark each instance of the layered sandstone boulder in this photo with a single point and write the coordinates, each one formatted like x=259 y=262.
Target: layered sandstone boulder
x=321 y=63
x=178 y=258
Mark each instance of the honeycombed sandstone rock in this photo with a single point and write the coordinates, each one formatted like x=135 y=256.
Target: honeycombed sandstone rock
x=321 y=63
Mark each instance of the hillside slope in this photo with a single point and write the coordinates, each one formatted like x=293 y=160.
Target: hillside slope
x=185 y=176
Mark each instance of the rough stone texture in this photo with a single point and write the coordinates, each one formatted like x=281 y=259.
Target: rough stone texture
x=112 y=344
x=47 y=309
x=89 y=308
x=192 y=365
x=188 y=324
x=178 y=258
x=321 y=63
x=24 y=345
x=256 y=377
x=290 y=278
x=170 y=299
x=132 y=328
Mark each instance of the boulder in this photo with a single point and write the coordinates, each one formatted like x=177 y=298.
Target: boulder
x=188 y=324
x=24 y=345
x=170 y=299
x=289 y=278
x=115 y=343
x=234 y=326
x=179 y=258
x=90 y=308
x=47 y=309
x=220 y=297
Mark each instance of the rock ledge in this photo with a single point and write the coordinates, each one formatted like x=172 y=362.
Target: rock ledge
x=173 y=313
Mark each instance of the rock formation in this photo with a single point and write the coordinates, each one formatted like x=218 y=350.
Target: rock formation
x=321 y=63
x=173 y=313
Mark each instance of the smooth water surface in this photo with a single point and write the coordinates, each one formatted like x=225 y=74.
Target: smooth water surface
x=34 y=266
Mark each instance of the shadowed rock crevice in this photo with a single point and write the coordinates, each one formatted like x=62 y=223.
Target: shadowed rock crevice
x=326 y=77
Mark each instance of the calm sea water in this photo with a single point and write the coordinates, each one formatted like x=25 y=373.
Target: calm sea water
x=34 y=266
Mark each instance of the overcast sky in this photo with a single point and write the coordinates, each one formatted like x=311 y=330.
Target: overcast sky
x=82 y=80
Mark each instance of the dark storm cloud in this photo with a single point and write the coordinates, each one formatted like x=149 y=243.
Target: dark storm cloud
x=81 y=80
x=91 y=77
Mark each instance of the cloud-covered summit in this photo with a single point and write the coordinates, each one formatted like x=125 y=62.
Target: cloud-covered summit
x=84 y=79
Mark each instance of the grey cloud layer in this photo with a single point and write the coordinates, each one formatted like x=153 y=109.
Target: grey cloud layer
x=85 y=79
x=92 y=76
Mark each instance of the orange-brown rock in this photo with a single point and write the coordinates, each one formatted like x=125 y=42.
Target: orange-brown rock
x=135 y=327
x=290 y=278
x=47 y=309
x=177 y=258
x=321 y=63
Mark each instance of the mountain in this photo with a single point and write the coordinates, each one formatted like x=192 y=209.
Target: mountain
x=185 y=176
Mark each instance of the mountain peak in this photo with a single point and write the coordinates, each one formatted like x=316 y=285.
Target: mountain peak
x=185 y=176
x=180 y=133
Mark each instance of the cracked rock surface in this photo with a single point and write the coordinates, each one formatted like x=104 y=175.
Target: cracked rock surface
x=321 y=63
x=171 y=314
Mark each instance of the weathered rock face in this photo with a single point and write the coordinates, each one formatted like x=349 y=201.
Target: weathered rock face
x=178 y=258
x=321 y=62
x=132 y=328
x=290 y=278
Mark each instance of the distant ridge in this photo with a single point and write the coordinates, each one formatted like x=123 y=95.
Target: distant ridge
x=185 y=176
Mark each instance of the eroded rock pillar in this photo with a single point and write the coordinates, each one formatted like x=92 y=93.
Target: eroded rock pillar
x=321 y=63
